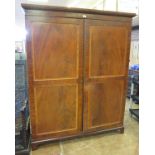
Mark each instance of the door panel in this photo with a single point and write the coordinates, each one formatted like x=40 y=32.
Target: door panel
x=58 y=104
x=104 y=103
x=107 y=49
x=55 y=76
x=55 y=57
x=106 y=63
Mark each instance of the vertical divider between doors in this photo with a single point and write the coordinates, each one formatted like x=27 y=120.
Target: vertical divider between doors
x=84 y=123
x=83 y=76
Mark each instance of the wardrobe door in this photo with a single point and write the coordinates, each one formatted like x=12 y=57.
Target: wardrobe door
x=54 y=49
x=106 y=68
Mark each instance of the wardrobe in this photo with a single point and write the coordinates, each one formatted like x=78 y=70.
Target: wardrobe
x=77 y=71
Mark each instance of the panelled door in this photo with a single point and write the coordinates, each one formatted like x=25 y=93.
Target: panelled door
x=55 y=49
x=106 y=66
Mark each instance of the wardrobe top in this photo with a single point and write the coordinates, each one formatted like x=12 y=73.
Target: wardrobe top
x=75 y=10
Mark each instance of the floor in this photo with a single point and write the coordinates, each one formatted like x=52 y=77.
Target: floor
x=104 y=144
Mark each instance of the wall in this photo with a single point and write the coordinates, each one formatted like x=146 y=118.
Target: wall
x=134 y=50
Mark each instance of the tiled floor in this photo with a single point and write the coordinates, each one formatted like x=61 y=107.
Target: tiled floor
x=104 y=144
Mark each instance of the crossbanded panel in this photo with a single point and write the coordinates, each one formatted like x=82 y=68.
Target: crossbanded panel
x=56 y=108
x=55 y=50
x=108 y=49
x=105 y=102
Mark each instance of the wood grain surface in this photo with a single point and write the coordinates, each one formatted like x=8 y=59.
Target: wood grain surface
x=55 y=73
x=106 y=46
x=77 y=70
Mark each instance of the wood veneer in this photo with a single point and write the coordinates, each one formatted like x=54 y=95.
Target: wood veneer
x=77 y=68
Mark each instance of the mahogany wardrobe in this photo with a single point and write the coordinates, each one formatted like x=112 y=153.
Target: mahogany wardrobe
x=77 y=71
